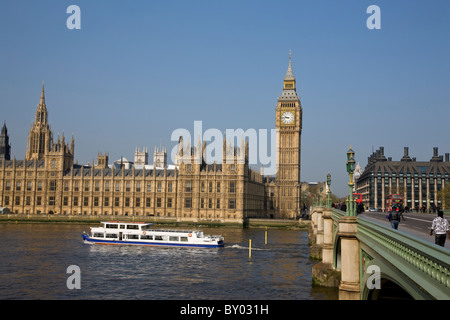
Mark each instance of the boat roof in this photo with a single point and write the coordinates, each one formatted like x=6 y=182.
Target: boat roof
x=128 y=222
x=157 y=230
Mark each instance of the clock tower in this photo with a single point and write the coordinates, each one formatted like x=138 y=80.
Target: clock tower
x=288 y=117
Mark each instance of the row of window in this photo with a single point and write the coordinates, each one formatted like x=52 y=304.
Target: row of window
x=117 y=186
x=409 y=186
x=409 y=180
x=96 y=201
x=210 y=204
x=6 y=201
x=231 y=187
x=140 y=237
x=86 y=186
x=52 y=186
x=122 y=226
x=423 y=174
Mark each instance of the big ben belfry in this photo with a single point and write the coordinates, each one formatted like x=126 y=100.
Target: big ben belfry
x=288 y=123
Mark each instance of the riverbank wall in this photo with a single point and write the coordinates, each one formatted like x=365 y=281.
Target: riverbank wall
x=89 y=219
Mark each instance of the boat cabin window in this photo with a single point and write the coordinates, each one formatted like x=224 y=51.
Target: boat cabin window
x=111 y=226
x=133 y=236
x=99 y=235
x=183 y=239
x=174 y=238
x=111 y=235
x=122 y=226
x=158 y=238
x=133 y=226
x=147 y=237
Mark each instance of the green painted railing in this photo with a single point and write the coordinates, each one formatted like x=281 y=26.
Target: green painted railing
x=427 y=264
x=337 y=214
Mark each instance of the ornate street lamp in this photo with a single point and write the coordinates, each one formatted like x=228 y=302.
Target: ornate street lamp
x=351 y=163
x=329 y=190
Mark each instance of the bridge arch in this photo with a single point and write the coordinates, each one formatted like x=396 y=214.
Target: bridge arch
x=389 y=290
x=337 y=252
x=393 y=282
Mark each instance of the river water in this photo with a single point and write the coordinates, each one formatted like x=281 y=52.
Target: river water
x=34 y=261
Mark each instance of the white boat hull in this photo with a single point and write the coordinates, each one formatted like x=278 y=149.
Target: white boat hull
x=215 y=244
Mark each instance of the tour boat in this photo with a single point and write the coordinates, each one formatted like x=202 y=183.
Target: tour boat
x=141 y=233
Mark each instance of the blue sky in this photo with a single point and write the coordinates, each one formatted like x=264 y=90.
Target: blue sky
x=137 y=70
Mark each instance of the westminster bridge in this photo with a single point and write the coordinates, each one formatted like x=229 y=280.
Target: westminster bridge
x=367 y=260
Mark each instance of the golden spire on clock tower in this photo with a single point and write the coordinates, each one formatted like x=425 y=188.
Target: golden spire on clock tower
x=289 y=78
x=289 y=88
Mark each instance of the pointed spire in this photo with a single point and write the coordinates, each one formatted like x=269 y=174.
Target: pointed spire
x=289 y=74
x=41 y=112
x=72 y=145
x=42 y=101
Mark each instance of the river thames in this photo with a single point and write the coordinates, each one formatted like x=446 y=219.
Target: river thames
x=34 y=261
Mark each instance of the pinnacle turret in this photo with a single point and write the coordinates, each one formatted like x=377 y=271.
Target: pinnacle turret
x=42 y=100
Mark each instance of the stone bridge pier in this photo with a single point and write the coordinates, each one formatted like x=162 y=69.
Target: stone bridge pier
x=336 y=269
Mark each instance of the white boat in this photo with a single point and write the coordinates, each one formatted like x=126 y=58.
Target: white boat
x=141 y=233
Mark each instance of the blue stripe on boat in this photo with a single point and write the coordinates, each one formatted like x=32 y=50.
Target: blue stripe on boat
x=87 y=238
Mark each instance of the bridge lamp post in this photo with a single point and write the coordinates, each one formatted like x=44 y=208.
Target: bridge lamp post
x=350 y=169
x=329 y=190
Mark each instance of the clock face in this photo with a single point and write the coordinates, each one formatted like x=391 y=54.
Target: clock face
x=287 y=117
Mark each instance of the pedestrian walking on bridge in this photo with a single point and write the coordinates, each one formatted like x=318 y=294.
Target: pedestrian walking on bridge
x=441 y=228
x=394 y=217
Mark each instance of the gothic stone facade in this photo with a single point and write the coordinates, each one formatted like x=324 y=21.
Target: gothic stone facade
x=48 y=180
x=189 y=192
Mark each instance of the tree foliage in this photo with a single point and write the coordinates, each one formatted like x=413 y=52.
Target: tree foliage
x=444 y=197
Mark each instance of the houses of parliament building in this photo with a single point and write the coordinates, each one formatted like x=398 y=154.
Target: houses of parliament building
x=49 y=180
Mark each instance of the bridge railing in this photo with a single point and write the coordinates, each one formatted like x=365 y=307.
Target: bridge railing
x=424 y=262
x=426 y=265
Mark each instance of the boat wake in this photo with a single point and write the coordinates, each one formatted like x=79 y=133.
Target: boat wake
x=237 y=246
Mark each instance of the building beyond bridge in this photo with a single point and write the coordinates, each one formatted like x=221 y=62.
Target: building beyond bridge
x=419 y=182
